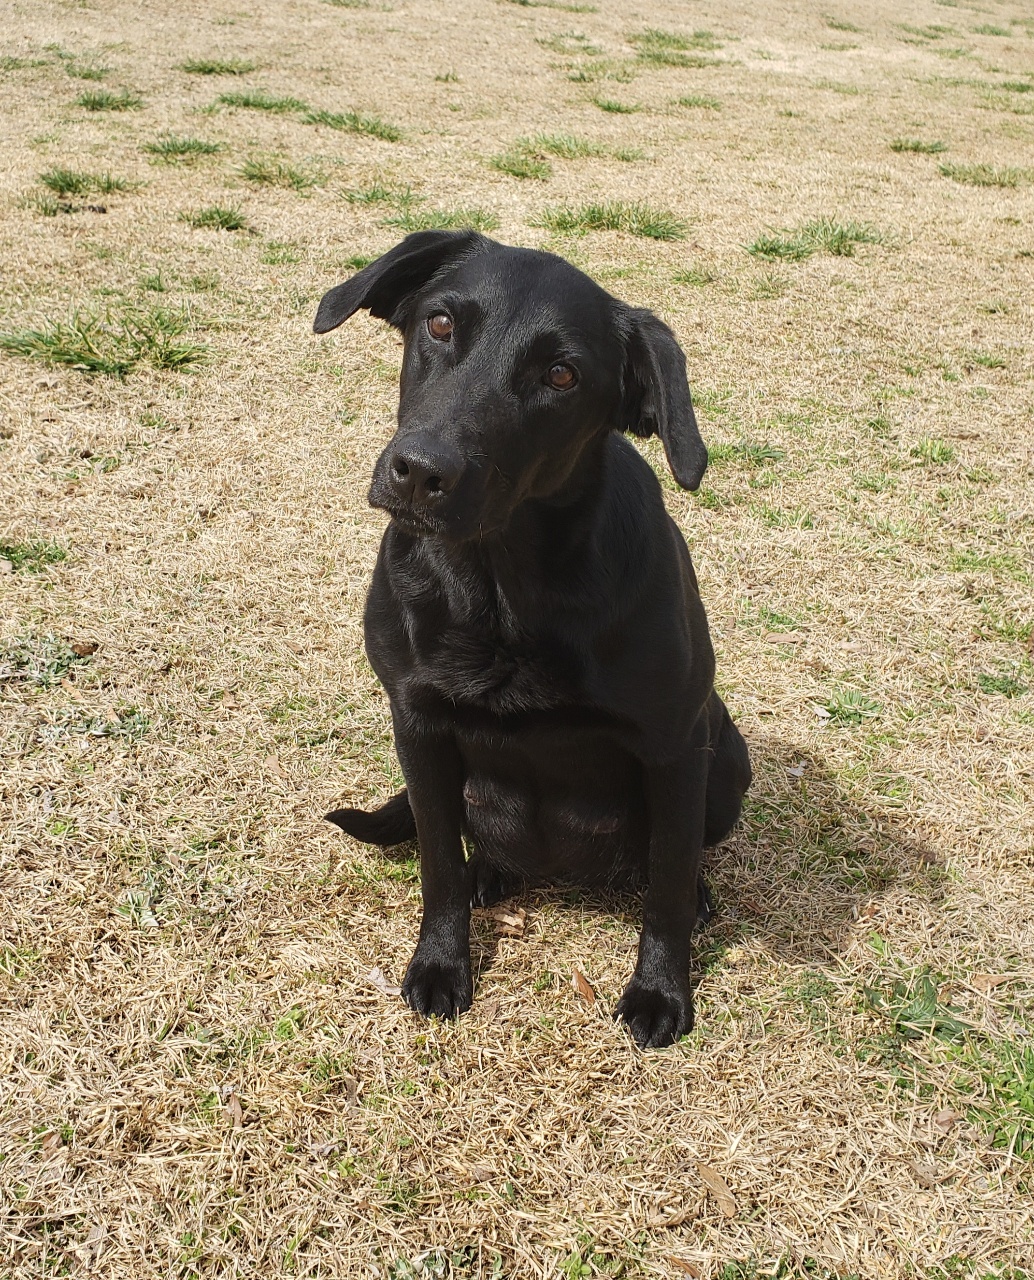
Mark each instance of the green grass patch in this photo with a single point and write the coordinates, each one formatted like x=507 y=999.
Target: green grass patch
x=355 y=122
x=470 y=219
x=839 y=24
x=359 y=260
x=87 y=71
x=696 y=276
x=915 y=1010
x=46 y=660
x=603 y=69
x=169 y=148
x=563 y=145
x=29 y=557
x=635 y=218
x=989 y=29
x=1006 y=1076
x=555 y=4
x=984 y=175
x=918 y=146
x=673 y=49
x=755 y=453
x=114 y=344
x=73 y=182
x=1004 y=683
x=109 y=100
x=518 y=163
x=380 y=193
x=933 y=452
x=280 y=253
x=259 y=100
x=217 y=66
x=697 y=100
x=216 y=218
x=613 y=107
x=1017 y=86
x=822 y=235
x=275 y=173
x=568 y=43
x=848 y=706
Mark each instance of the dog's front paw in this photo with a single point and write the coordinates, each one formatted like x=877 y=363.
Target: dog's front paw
x=656 y=1015
x=435 y=985
x=488 y=885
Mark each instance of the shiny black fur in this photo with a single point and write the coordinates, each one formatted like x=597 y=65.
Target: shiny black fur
x=534 y=615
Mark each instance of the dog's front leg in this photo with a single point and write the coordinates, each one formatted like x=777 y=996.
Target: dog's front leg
x=658 y=1003
x=438 y=978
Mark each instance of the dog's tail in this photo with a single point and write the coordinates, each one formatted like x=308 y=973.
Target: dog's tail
x=392 y=823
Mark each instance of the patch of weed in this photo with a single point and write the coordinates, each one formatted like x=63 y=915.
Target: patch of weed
x=637 y=219
x=355 y=122
x=615 y=108
x=767 y=286
x=259 y=100
x=700 y=101
x=518 y=163
x=73 y=182
x=671 y=49
x=1005 y=683
x=569 y=42
x=555 y=4
x=275 y=173
x=749 y=451
x=933 y=452
x=280 y=253
x=217 y=66
x=170 y=149
x=562 y=145
x=988 y=29
x=128 y=723
x=109 y=100
x=695 y=276
x=217 y=218
x=473 y=219
x=915 y=1010
x=31 y=557
x=984 y=175
x=784 y=517
x=1017 y=86
x=839 y=24
x=849 y=706
x=113 y=345
x=823 y=234
x=379 y=193
x=602 y=69
x=87 y=71
x=918 y=146
x=360 y=260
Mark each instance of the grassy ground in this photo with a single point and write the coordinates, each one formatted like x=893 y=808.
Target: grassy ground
x=833 y=207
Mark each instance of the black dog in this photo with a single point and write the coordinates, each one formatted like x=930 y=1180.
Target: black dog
x=534 y=614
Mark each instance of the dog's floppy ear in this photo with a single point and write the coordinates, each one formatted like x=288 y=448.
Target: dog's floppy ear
x=657 y=400
x=385 y=284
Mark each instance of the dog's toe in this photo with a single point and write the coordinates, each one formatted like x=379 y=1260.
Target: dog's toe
x=488 y=885
x=655 y=1017
x=442 y=988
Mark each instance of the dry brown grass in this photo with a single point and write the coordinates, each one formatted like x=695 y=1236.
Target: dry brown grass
x=200 y=1080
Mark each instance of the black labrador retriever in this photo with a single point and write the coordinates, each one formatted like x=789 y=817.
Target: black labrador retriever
x=534 y=614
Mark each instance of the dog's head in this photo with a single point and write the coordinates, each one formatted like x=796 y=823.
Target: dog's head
x=516 y=368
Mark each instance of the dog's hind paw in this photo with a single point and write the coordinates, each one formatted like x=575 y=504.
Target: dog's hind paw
x=655 y=1017
x=438 y=987
x=488 y=885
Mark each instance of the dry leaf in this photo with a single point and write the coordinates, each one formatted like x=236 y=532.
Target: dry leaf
x=84 y=648
x=797 y=770
x=272 y=765
x=232 y=1107
x=719 y=1188
x=685 y=1266
x=927 y=1174
x=944 y=1120
x=582 y=986
x=674 y=1217
x=51 y=1142
x=6 y=566
x=785 y=637
x=377 y=978
x=986 y=982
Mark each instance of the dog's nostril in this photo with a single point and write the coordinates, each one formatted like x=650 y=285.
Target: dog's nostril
x=434 y=484
x=400 y=467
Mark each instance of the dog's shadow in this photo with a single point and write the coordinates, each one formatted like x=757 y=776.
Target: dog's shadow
x=807 y=858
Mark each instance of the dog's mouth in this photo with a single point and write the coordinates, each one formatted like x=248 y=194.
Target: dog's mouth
x=413 y=522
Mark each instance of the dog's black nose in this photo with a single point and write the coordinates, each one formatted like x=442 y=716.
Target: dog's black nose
x=424 y=471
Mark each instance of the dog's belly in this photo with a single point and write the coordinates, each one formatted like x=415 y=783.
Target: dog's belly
x=563 y=808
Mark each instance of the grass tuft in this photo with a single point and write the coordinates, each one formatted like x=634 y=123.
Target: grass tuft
x=73 y=182
x=275 y=173
x=109 y=100
x=693 y=276
x=671 y=49
x=170 y=149
x=379 y=193
x=984 y=175
x=259 y=100
x=823 y=234
x=933 y=452
x=474 y=219
x=87 y=71
x=562 y=145
x=519 y=163
x=112 y=345
x=918 y=146
x=217 y=66
x=635 y=219
x=355 y=122
x=698 y=100
x=615 y=108
x=31 y=557
x=839 y=24
x=217 y=218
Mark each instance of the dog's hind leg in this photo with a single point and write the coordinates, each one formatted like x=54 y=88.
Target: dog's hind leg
x=728 y=775
x=392 y=823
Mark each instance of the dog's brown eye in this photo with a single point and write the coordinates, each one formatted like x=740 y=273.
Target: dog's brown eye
x=440 y=327
x=561 y=377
